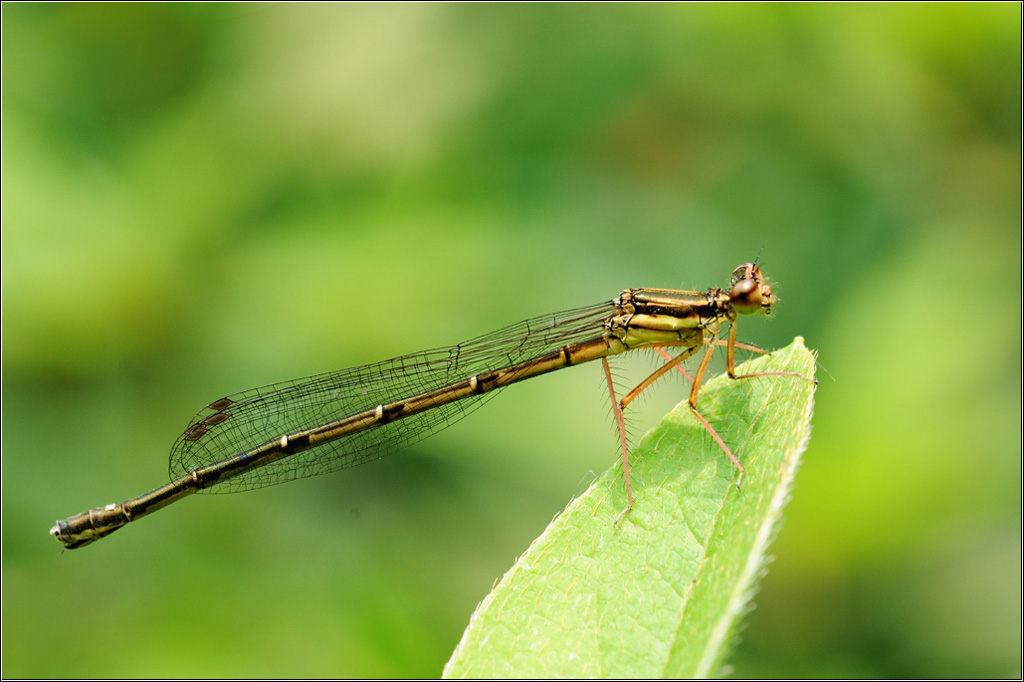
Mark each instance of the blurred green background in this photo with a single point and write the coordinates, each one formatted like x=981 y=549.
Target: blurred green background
x=198 y=199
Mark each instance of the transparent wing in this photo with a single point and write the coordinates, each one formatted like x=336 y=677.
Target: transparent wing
x=243 y=421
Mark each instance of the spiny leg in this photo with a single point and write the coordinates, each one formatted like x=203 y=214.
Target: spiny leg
x=658 y=373
x=674 y=362
x=621 y=425
x=730 y=354
x=695 y=390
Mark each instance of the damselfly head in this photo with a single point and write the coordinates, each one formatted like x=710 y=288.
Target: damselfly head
x=750 y=293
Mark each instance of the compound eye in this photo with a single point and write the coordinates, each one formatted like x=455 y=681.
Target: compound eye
x=746 y=296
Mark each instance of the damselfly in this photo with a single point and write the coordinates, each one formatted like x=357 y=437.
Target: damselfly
x=336 y=420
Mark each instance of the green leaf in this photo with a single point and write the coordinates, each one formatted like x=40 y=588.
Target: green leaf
x=662 y=593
